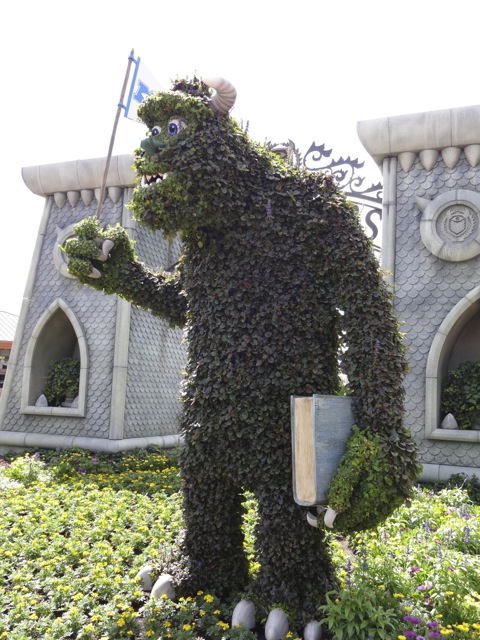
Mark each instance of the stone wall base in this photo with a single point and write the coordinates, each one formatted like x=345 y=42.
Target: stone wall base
x=441 y=472
x=15 y=441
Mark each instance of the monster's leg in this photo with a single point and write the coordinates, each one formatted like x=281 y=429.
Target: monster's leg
x=213 y=517
x=294 y=559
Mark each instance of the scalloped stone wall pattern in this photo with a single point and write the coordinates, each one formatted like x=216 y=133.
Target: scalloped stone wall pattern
x=99 y=328
x=156 y=354
x=426 y=289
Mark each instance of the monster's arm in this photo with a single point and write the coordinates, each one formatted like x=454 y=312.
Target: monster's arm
x=380 y=466
x=105 y=260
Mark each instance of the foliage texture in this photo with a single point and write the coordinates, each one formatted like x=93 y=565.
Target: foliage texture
x=276 y=273
x=62 y=380
x=461 y=395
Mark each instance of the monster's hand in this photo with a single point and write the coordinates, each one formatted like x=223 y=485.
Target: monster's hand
x=95 y=256
x=363 y=491
x=106 y=261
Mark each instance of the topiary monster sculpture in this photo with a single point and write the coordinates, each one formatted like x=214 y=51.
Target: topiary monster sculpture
x=276 y=273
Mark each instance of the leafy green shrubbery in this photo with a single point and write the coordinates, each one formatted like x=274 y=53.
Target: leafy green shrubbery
x=461 y=395
x=62 y=380
x=470 y=484
x=419 y=571
x=76 y=528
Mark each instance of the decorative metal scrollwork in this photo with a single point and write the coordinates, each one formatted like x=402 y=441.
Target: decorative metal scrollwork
x=344 y=170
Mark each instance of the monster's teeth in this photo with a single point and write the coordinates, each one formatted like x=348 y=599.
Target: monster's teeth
x=149 y=179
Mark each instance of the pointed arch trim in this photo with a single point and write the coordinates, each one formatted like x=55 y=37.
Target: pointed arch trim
x=29 y=363
x=437 y=363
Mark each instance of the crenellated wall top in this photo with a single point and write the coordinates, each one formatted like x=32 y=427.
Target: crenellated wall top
x=78 y=175
x=447 y=132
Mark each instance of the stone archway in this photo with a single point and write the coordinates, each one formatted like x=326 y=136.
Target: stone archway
x=453 y=343
x=57 y=334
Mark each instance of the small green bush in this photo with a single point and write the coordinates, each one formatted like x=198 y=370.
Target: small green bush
x=62 y=380
x=357 y=614
x=461 y=395
x=470 y=484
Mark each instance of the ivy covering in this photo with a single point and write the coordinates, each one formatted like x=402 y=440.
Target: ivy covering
x=276 y=275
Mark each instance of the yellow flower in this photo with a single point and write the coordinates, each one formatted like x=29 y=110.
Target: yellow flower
x=150 y=633
x=217 y=612
x=167 y=623
x=398 y=595
x=208 y=598
x=187 y=627
x=201 y=613
x=223 y=625
x=401 y=637
x=121 y=622
x=462 y=627
x=199 y=593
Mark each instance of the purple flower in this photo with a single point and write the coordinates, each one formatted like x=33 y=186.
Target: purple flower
x=409 y=634
x=427 y=586
x=433 y=624
x=412 y=619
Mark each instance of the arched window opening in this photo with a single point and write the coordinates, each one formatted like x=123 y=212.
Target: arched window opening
x=58 y=335
x=457 y=340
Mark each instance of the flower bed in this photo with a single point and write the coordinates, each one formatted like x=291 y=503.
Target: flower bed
x=417 y=576
x=77 y=527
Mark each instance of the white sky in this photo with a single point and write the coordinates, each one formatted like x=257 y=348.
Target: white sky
x=306 y=70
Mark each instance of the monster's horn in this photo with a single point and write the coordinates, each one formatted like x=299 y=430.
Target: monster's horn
x=224 y=98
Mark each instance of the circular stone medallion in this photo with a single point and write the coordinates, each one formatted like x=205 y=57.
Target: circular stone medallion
x=450 y=225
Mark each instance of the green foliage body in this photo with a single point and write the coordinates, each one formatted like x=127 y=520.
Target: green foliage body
x=275 y=267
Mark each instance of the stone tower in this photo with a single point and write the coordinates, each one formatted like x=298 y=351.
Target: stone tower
x=131 y=362
x=431 y=252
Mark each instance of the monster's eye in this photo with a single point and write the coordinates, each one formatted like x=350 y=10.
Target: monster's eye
x=175 y=126
x=155 y=131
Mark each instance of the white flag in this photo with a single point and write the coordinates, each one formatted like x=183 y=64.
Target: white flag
x=142 y=85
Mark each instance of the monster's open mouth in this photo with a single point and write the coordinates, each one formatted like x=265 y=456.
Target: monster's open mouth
x=148 y=180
